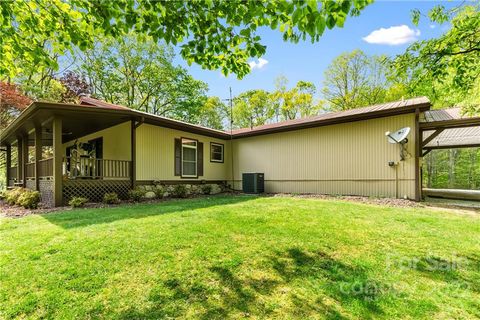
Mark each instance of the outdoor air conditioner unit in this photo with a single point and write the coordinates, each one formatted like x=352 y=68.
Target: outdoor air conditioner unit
x=253 y=183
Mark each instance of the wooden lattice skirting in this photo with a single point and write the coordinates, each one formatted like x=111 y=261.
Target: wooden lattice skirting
x=46 y=192
x=30 y=184
x=94 y=190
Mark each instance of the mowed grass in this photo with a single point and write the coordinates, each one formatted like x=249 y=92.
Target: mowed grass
x=236 y=257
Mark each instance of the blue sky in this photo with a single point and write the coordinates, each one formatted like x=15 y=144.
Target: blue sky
x=307 y=61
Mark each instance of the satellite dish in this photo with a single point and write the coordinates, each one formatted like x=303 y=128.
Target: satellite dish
x=399 y=136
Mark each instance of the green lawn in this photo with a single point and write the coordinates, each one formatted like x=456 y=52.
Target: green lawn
x=235 y=257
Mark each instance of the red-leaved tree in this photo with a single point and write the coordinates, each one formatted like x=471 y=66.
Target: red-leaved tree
x=12 y=102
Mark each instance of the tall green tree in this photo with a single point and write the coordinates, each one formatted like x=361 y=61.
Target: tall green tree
x=354 y=79
x=297 y=102
x=252 y=108
x=216 y=34
x=42 y=83
x=213 y=114
x=447 y=68
x=138 y=72
x=452 y=168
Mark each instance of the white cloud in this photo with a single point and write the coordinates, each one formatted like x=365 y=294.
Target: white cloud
x=432 y=26
x=259 y=64
x=393 y=36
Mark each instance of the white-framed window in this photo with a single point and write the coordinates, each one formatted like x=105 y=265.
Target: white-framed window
x=189 y=158
x=216 y=152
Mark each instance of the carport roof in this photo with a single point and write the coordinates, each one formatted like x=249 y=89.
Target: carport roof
x=449 y=128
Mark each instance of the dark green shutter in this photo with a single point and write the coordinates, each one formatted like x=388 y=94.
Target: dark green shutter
x=200 y=159
x=178 y=157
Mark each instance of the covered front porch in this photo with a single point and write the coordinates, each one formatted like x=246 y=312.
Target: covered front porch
x=49 y=148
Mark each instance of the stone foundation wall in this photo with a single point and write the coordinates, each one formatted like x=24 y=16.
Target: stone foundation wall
x=46 y=192
x=155 y=190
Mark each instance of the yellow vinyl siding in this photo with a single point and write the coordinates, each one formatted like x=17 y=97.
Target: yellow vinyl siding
x=350 y=158
x=155 y=154
x=116 y=142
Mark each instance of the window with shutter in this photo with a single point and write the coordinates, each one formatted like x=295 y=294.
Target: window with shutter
x=188 y=158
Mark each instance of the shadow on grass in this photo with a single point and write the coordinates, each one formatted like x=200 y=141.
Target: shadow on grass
x=87 y=217
x=344 y=283
x=300 y=284
x=461 y=272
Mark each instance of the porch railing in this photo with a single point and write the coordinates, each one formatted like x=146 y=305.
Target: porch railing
x=45 y=167
x=30 y=170
x=12 y=173
x=90 y=168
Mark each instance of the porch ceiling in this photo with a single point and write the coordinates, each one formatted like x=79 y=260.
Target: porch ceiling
x=77 y=121
x=83 y=119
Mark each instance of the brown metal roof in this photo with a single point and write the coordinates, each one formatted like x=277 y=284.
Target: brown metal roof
x=90 y=107
x=447 y=119
x=375 y=111
x=148 y=117
x=81 y=119
x=442 y=115
x=88 y=101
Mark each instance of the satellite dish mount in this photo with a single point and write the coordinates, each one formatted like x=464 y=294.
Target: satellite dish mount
x=399 y=137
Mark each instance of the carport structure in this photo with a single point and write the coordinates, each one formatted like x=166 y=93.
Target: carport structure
x=448 y=129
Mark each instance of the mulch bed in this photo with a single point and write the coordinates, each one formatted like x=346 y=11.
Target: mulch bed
x=400 y=203
x=18 y=212
x=390 y=202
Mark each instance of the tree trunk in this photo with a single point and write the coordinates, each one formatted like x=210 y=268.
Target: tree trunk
x=452 y=158
x=429 y=170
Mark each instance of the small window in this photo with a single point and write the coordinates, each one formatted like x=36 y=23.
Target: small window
x=189 y=158
x=216 y=152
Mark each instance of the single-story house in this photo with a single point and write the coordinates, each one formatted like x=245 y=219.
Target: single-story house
x=94 y=147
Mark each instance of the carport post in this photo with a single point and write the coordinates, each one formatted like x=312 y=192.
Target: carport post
x=418 y=148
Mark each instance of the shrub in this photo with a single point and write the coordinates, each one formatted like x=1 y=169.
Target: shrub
x=159 y=191
x=207 y=189
x=12 y=196
x=3 y=194
x=179 y=191
x=77 y=202
x=111 y=198
x=29 y=199
x=136 y=194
